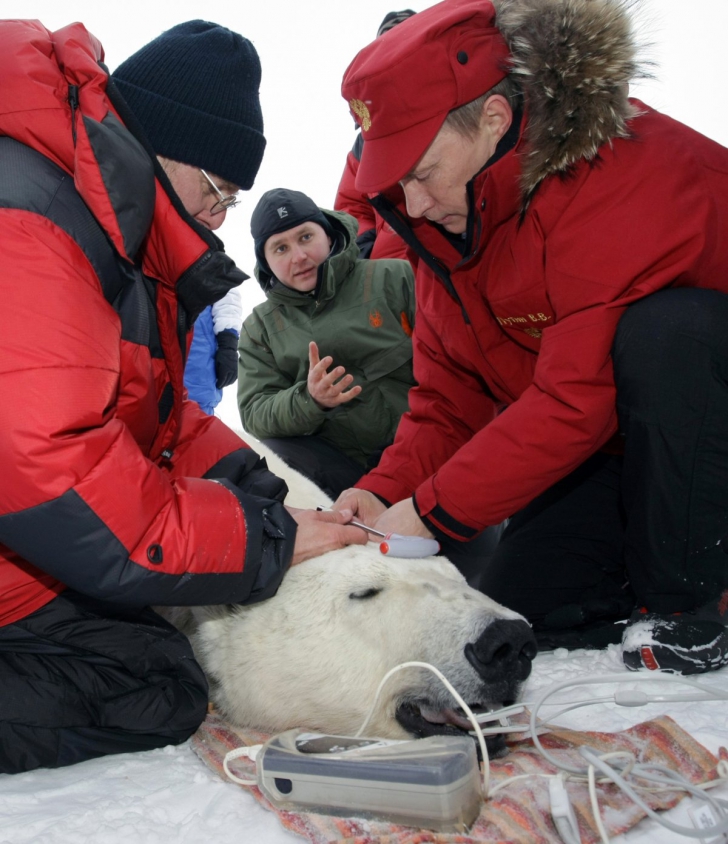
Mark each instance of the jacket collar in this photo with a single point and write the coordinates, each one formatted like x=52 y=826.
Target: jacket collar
x=495 y=192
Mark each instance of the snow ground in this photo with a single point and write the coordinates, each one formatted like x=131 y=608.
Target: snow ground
x=169 y=795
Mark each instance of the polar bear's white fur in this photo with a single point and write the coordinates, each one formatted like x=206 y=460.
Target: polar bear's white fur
x=313 y=655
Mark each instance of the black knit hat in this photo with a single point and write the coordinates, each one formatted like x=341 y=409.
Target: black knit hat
x=194 y=90
x=281 y=209
x=391 y=19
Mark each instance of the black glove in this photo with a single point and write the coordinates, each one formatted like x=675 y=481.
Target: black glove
x=226 y=359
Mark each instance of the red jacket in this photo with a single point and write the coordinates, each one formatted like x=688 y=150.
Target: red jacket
x=101 y=455
x=380 y=237
x=513 y=365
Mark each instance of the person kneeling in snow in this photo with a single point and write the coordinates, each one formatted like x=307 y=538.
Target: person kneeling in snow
x=118 y=493
x=326 y=361
x=571 y=348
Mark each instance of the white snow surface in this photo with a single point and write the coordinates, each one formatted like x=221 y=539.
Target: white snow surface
x=169 y=795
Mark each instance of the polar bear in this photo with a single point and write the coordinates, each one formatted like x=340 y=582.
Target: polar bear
x=313 y=655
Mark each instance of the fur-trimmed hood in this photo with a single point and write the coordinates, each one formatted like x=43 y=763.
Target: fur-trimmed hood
x=574 y=60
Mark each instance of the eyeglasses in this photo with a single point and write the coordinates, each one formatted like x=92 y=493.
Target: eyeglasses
x=224 y=202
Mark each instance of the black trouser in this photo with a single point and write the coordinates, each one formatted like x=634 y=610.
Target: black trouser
x=319 y=461
x=647 y=528
x=80 y=679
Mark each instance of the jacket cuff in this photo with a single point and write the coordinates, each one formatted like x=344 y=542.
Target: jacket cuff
x=314 y=415
x=438 y=521
x=386 y=490
x=249 y=472
x=270 y=539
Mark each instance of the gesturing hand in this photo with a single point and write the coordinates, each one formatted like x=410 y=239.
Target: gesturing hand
x=328 y=389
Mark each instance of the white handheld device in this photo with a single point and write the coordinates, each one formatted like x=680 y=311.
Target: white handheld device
x=397 y=545
x=430 y=783
x=394 y=545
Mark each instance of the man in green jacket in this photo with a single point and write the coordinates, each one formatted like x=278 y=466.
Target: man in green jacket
x=326 y=361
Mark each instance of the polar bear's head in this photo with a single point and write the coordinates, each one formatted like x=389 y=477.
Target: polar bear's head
x=313 y=655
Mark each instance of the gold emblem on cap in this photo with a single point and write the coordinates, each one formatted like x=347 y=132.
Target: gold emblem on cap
x=362 y=112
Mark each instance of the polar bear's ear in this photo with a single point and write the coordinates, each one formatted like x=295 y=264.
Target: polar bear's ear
x=363 y=594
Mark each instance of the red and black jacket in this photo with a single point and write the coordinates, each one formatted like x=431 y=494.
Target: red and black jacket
x=512 y=349
x=114 y=484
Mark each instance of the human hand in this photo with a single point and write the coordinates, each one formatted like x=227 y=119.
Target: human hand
x=328 y=389
x=226 y=359
x=322 y=531
x=365 y=506
x=402 y=518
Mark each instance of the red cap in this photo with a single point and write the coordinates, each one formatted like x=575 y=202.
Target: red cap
x=401 y=87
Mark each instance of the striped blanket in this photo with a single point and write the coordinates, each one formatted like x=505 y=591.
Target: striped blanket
x=519 y=813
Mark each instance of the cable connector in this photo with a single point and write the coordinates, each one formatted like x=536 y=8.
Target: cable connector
x=563 y=812
x=631 y=697
x=246 y=752
x=704 y=818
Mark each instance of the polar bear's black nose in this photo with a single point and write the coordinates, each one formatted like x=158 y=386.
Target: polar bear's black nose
x=504 y=651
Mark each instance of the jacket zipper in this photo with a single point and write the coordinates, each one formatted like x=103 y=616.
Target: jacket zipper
x=73 y=102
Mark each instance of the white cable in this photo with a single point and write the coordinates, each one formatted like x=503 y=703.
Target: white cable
x=618 y=780
x=672 y=780
x=562 y=811
x=248 y=751
x=503 y=783
x=722 y=771
x=630 y=696
x=594 y=800
x=578 y=704
x=669 y=780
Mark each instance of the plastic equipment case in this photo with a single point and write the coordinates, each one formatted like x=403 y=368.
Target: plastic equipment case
x=431 y=783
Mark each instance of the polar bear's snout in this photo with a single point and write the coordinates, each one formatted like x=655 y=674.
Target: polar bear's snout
x=503 y=652
x=487 y=667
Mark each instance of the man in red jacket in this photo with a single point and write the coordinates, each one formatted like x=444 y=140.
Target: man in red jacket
x=376 y=239
x=570 y=349
x=118 y=492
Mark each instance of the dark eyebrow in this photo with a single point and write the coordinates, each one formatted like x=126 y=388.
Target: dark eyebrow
x=223 y=185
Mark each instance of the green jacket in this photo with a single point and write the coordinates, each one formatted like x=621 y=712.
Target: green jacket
x=362 y=314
